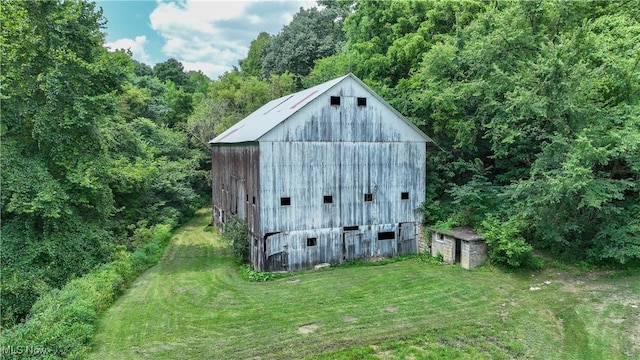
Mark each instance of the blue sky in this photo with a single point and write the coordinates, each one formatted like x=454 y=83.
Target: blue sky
x=210 y=36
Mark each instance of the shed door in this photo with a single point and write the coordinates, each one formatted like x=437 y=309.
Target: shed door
x=407 y=242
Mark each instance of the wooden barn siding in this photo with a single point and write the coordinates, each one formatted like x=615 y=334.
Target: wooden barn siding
x=345 y=171
x=237 y=167
x=344 y=151
x=289 y=251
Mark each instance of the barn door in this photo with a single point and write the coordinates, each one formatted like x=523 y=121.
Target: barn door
x=241 y=193
x=275 y=252
x=407 y=242
x=349 y=242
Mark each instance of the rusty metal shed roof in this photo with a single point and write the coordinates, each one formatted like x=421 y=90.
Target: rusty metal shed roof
x=261 y=121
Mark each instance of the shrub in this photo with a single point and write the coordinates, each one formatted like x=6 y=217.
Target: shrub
x=62 y=321
x=248 y=273
x=236 y=233
x=506 y=246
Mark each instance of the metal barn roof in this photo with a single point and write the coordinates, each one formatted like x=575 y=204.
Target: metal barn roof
x=261 y=121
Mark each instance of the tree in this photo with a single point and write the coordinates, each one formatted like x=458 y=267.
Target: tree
x=540 y=92
x=172 y=70
x=81 y=168
x=252 y=64
x=57 y=92
x=311 y=35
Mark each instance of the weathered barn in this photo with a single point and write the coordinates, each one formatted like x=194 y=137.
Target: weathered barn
x=328 y=174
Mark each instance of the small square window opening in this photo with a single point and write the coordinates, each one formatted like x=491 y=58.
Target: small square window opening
x=386 y=235
x=312 y=241
x=368 y=197
x=284 y=201
x=335 y=100
x=327 y=199
x=404 y=196
x=362 y=101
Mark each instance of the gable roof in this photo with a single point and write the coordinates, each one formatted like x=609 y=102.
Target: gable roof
x=270 y=115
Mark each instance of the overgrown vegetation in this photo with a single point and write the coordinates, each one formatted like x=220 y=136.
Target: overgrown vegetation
x=236 y=234
x=93 y=155
x=62 y=322
x=506 y=244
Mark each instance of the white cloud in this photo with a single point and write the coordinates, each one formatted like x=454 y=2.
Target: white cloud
x=136 y=46
x=216 y=34
x=205 y=67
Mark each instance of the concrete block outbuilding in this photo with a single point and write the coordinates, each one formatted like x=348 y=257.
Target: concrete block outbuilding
x=459 y=245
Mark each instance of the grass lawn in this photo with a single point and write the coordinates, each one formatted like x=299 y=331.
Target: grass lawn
x=194 y=305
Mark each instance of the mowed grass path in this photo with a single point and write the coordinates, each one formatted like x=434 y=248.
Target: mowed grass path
x=193 y=305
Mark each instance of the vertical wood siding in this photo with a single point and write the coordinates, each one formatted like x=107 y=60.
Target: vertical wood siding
x=236 y=189
x=305 y=172
x=343 y=151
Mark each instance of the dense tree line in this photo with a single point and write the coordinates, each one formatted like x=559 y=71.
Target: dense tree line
x=536 y=104
x=94 y=149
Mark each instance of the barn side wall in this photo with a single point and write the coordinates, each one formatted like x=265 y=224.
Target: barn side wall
x=236 y=188
x=302 y=249
x=331 y=167
x=332 y=185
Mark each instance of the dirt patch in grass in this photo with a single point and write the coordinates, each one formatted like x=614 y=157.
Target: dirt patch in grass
x=308 y=329
x=391 y=309
x=349 y=319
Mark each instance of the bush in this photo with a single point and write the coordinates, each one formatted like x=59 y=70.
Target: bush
x=248 y=273
x=236 y=233
x=62 y=322
x=506 y=246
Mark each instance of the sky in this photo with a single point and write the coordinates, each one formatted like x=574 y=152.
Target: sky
x=206 y=35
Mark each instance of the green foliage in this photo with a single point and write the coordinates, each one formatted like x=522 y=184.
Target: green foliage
x=312 y=34
x=544 y=95
x=62 y=322
x=475 y=199
x=232 y=97
x=252 y=64
x=171 y=70
x=236 y=233
x=248 y=273
x=506 y=244
x=87 y=158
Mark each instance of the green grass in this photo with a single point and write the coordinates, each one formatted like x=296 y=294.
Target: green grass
x=195 y=305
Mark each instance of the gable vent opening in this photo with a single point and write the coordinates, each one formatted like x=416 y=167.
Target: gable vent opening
x=335 y=100
x=362 y=101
